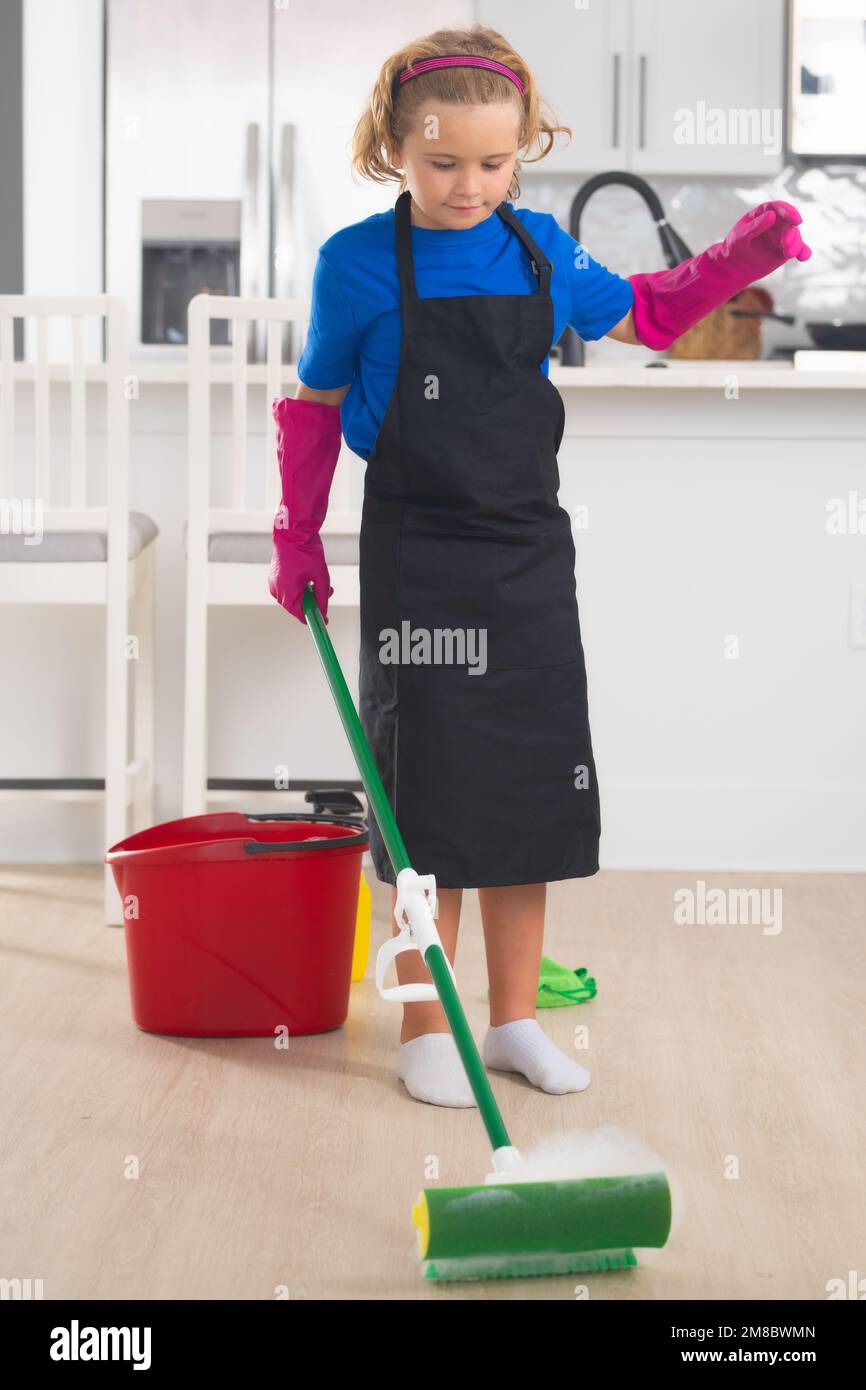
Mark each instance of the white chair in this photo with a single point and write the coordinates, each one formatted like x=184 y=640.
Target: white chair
x=229 y=548
x=85 y=554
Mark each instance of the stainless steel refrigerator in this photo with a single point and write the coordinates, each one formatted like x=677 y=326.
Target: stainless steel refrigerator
x=228 y=142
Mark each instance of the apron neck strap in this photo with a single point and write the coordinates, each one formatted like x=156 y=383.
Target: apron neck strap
x=541 y=266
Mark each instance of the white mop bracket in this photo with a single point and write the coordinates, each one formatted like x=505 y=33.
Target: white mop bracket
x=415 y=910
x=509 y=1165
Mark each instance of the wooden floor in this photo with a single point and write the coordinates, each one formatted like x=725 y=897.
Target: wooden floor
x=727 y=1048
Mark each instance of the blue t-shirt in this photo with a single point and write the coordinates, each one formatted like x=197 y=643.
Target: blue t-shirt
x=355 y=329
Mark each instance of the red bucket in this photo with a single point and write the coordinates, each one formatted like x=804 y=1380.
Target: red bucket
x=238 y=925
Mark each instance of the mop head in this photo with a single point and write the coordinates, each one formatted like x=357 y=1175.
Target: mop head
x=585 y=1202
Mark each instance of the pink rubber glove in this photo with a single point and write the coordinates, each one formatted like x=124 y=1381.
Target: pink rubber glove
x=668 y=302
x=308 y=446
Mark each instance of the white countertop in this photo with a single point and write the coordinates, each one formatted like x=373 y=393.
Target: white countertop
x=674 y=375
x=713 y=376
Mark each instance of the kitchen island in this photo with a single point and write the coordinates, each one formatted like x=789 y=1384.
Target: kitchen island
x=723 y=613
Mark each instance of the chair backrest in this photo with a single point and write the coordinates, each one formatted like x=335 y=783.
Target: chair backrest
x=77 y=513
x=238 y=511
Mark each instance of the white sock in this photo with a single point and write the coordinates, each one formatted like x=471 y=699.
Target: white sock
x=523 y=1046
x=431 y=1069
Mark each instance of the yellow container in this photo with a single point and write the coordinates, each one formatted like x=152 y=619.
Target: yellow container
x=361 y=953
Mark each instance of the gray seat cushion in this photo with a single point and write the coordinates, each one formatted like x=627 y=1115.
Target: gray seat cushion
x=256 y=547
x=76 y=545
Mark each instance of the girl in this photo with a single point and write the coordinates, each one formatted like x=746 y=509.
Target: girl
x=428 y=346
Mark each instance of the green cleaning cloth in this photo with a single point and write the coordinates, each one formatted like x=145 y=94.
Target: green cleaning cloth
x=558 y=985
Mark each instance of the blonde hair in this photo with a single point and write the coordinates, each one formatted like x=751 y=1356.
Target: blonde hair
x=386 y=122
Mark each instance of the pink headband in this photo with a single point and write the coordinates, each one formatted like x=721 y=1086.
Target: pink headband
x=453 y=60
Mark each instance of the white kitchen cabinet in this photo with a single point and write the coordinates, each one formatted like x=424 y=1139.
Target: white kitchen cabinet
x=714 y=74
x=656 y=86
x=580 y=60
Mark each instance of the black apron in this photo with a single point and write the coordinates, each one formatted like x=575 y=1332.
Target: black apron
x=484 y=751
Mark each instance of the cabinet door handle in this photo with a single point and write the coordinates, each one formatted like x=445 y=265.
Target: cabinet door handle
x=642 y=102
x=616 y=65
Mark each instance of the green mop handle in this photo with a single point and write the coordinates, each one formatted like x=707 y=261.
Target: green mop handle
x=434 y=957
